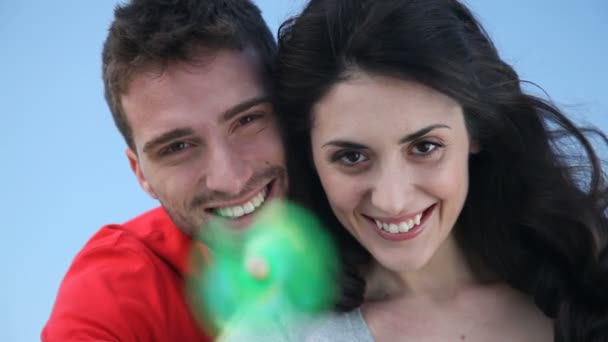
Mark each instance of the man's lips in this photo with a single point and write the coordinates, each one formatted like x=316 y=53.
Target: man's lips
x=244 y=206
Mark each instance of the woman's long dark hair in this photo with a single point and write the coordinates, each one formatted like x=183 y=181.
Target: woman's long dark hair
x=536 y=211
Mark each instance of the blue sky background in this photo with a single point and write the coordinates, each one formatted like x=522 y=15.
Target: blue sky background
x=64 y=171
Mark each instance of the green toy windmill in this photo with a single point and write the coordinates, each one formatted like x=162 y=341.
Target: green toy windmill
x=283 y=265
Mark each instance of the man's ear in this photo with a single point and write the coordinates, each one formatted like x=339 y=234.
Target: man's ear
x=134 y=162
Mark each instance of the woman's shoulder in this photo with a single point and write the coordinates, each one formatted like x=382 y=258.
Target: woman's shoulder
x=343 y=326
x=339 y=327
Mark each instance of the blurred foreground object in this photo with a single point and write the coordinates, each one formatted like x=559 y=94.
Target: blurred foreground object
x=283 y=265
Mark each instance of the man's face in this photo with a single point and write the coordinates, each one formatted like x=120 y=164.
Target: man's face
x=206 y=137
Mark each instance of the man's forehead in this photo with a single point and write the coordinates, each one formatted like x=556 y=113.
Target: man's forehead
x=183 y=94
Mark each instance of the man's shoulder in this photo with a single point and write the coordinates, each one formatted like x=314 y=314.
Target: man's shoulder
x=127 y=247
x=130 y=235
x=116 y=251
x=120 y=284
x=154 y=218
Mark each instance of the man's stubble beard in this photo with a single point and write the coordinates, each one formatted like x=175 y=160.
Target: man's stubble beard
x=195 y=213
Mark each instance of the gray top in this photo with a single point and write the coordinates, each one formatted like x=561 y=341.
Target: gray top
x=333 y=327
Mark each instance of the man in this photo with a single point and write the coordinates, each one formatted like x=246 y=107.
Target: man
x=187 y=84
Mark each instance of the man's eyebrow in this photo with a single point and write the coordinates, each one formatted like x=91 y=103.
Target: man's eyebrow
x=166 y=137
x=421 y=132
x=243 y=106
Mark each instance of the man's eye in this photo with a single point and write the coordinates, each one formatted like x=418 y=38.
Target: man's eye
x=248 y=119
x=174 y=148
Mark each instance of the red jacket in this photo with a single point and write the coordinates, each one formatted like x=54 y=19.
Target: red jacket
x=127 y=284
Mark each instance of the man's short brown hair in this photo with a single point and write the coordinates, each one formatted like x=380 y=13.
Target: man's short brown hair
x=153 y=33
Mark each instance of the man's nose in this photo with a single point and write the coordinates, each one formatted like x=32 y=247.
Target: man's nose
x=227 y=172
x=392 y=191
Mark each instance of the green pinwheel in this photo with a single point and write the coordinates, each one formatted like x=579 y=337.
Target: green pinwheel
x=283 y=264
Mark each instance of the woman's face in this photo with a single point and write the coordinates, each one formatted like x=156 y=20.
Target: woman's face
x=392 y=156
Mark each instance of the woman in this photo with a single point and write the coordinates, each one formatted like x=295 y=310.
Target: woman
x=464 y=208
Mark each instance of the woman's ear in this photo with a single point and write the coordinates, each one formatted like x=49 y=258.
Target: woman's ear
x=474 y=147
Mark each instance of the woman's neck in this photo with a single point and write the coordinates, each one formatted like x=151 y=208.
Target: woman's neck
x=446 y=274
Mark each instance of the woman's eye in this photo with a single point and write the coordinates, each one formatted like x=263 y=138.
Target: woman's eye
x=351 y=158
x=425 y=147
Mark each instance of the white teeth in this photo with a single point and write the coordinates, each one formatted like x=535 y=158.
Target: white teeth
x=249 y=207
x=246 y=208
x=401 y=227
x=257 y=200
x=393 y=228
x=238 y=211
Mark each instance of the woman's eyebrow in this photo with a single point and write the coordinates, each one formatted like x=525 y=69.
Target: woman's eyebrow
x=345 y=144
x=421 y=132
